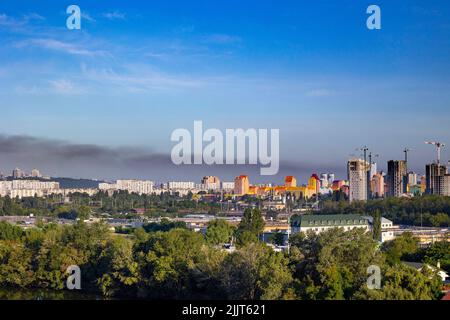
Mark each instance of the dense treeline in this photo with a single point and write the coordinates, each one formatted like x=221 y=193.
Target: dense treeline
x=122 y=201
x=427 y=210
x=182 y=264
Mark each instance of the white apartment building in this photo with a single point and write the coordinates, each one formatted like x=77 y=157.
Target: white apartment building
x=27 y=188
x=181 y=185
x=132 y=186
x=227 y=186
x=357 y=176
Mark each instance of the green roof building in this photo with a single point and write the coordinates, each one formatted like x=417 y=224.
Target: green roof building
x=319 y=223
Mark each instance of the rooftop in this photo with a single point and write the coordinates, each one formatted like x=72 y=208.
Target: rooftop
x=328 y=220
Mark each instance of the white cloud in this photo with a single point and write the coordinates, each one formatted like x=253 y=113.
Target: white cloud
x=60 y=46
x=87 y=16
x=222 y=38
x=139 y=78
x=63 y=86
x=33 y=16
x=114 y=15
x=7 y=21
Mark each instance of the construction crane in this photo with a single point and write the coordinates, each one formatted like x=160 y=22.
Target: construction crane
x=438 y=145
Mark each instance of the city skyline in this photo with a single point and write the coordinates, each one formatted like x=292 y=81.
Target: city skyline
x=102 y=101
x=27 y=152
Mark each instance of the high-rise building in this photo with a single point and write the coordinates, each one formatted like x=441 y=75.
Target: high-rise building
x=357 y=176
x=434 y=178
x=378 y=185
x=412 y=179
x=35 y=173
x=211 y=182
x=373 y=169
x=445 y=185
x=396 y=178
x=331 y=179
x=241 y=185
x=290 y=181
x=18 y=173
x=423 y=184
x=324 y=180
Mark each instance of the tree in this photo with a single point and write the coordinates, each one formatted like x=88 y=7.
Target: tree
x=277 y=238
x=83 y=212
x=167 y=261
x=332 y=264
x=440 y=220
x=219 y=232
x=256 y=272
x=9 y=231
x=438 y=252
x=120 y=271
x=400 y=282
x=402 y=247
x=376 y=225
x=250 y=227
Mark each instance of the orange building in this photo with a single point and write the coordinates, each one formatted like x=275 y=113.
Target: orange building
x=290 y=181
x=241 y=185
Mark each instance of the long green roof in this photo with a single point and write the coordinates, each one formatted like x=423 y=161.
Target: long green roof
x=328 y=220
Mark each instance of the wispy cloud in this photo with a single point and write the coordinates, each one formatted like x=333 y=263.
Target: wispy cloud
x=114 y=15
x=222 y=39
x=60 y=46
x=64 y=86
x=87 y=16
x=33 y=16
x=8 y=21
x=140 y=78
x=17 y=22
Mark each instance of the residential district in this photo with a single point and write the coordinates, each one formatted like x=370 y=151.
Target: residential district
x=289 y=208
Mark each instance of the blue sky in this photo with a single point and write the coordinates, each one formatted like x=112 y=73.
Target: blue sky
x=138 y=70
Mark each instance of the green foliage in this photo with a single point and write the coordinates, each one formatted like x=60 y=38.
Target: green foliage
x=332 y=264
x=218 y=232
x=167 y=262
x=250 y=227
x=401 y=282
x=438 y=252
x=178 y=263
x=164 y=226
x=376 y=231
x=429 y=210
x=9 y=231
x=277 y=238
x=404 y=247
x=256 y=272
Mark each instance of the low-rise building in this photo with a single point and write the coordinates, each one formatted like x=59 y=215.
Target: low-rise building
x=320 y=223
